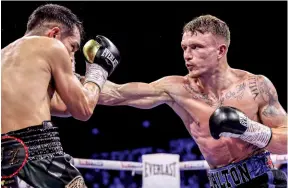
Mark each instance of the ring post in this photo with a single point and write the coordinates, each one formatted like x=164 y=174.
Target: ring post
x=161 y=170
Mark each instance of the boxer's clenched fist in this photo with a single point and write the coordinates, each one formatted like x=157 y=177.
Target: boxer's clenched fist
x=102 y=57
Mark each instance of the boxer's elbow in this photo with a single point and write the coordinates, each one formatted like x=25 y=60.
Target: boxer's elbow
x=82 y=118
x=87 y=102
x=84 y=115
x=84 y=111
x=58 y=107
x=63 y=114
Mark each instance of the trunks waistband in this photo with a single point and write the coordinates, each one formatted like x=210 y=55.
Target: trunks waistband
x=42 y=141
x=242 y=172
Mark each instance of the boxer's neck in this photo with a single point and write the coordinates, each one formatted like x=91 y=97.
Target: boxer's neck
x=221 y=79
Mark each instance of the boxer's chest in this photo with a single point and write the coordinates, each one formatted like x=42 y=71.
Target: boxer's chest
x=199 y=106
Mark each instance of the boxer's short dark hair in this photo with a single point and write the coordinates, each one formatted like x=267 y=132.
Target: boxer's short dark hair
x=54 y=13
x=209 y=23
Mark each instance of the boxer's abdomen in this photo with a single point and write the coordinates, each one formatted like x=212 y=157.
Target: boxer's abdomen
x=224 y=151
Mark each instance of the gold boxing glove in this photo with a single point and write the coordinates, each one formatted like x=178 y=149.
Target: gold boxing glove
x=101 y=57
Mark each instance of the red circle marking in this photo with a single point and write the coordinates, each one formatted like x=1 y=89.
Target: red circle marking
x=26 y=155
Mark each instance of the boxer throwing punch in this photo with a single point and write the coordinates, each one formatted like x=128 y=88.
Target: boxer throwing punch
x=233 y=115
x=37 y=78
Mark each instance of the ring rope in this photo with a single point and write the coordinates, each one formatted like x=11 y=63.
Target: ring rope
x=137 y=166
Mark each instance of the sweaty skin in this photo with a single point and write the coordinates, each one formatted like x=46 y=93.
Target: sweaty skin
x=25 y=96
x=194 y=103
x=247 y=93
x=209 y=84
x=33 y=68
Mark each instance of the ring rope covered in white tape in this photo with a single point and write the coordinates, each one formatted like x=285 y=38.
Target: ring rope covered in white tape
x=137 y=166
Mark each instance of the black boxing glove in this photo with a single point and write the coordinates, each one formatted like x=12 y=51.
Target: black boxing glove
x=102 y=57
x=230 y=122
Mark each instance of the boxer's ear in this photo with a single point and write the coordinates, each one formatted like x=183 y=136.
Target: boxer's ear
x=54 y=32
x=222 y=50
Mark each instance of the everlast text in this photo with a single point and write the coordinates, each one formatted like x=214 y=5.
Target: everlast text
x=159 y=169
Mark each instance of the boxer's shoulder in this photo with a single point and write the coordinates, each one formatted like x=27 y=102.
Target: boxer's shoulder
x=48 y=48
x=247 y=78
x=254 y=79
x=52 y=43
x=41 y=43
x=173 y=79
x=244 y=75
x=43 y=49
x=169 y=83
x=168 y=80
x=260 y=87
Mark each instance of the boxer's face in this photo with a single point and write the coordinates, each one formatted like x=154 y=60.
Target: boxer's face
x=72 y=44
x=70 y=40
x=200 y=52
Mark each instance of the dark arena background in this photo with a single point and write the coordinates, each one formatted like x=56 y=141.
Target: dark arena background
x=148 y=35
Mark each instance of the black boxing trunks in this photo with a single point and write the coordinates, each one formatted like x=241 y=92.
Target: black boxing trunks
x=256 y=171
x=35 y=155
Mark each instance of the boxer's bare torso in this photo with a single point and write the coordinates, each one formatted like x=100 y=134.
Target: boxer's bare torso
x=25 y=84
x=211 y=83
x=184 y=96
x=195 y=108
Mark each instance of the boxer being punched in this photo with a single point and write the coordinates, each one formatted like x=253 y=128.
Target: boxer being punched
x=37 y=76
x=233 y=115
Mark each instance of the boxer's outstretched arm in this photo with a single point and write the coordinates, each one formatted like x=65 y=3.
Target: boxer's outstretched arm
x=273 y=115
x=137 y=94
x=80 y=100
